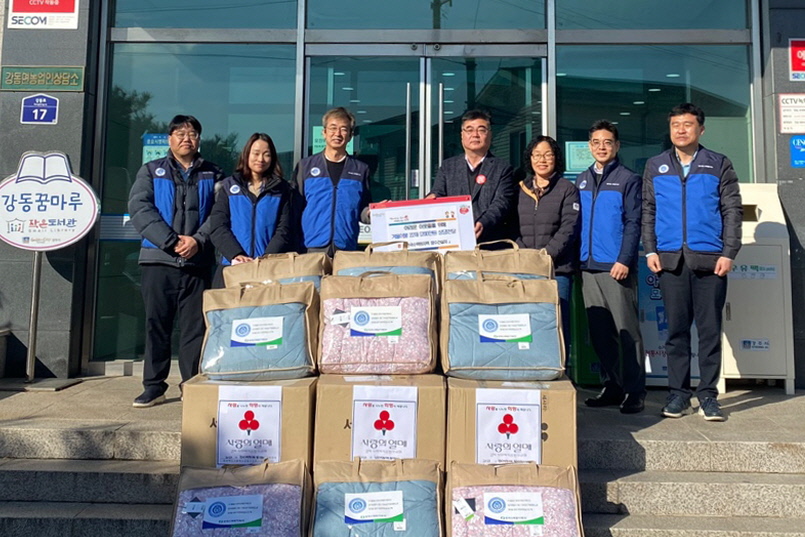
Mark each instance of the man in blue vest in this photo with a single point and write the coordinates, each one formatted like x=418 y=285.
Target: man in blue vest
x=333 y=189
x=169 y=204
x=691 y=233
x=611 y=197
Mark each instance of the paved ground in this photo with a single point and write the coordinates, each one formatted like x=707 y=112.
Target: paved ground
x=756 y=412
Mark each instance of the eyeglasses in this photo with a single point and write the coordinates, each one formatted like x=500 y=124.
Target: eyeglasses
x=606 y=143
x=181 y=135
x=480 y=130
x=539 y=156
x=341 y=130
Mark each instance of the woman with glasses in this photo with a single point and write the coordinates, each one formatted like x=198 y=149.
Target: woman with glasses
x=252 y=212
x=548 y=213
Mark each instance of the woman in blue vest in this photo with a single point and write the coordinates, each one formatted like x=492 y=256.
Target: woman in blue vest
x=251 y=215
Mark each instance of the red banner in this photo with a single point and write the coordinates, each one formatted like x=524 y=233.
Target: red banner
x=43 y=6
x=796 y=49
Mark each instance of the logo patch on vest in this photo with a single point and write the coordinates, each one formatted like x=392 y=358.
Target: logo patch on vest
x=575 y=206
x=481 y=179
x=664 y=168
x=315 y=172
x=583 y=183
x=160 y=172
x=234 y=189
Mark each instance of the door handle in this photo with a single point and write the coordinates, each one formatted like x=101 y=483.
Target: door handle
x=441 y=123
x=408 y=140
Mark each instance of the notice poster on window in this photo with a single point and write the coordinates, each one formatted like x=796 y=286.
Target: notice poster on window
x=433 y=224
x=43 y=14
x=792 y=113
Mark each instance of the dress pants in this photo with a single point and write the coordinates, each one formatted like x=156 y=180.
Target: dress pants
x=167 y=291
x=693 y=295
x=614 y=326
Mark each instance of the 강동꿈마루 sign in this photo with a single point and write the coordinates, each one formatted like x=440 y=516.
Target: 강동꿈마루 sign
x=44 y=206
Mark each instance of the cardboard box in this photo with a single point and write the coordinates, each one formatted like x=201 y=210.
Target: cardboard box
x=491 y=422
x=225 y=422
x=380 y=417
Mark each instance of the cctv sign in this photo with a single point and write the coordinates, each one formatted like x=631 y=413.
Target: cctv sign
x=43 y=14
x=796 y=51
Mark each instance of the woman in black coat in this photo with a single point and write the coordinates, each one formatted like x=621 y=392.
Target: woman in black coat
x=549 y=217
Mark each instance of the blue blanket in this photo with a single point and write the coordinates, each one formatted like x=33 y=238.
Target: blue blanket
x=243 y=354
x=420 y=510
x=472 y=356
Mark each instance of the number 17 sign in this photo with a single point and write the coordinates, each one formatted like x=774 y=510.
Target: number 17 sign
x=39 y=109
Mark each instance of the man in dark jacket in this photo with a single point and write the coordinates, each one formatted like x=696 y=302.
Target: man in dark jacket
x=478 y=173
x=169 y=204
x=691 y=233
x=333 y=189
x=611 y=197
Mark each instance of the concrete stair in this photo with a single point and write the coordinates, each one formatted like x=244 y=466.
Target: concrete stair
x=646 y=476
x=83 y=463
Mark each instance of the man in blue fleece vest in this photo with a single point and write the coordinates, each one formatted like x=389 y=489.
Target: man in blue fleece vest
x=169 y=204
x=333 y=189
x=611 y=197
x=691 y=233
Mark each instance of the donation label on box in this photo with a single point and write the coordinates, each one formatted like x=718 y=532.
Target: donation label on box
x=249 y=424
x=432 y=224
x=384 y=422
x=509 y=426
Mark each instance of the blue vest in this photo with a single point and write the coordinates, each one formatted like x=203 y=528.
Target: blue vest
x=688 y=210
x=197 y=195
x=252 y=224
x=602 y=215
x=332 y=212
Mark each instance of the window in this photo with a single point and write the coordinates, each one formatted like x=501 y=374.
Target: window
x=636 y=86
x=426 y=14
x=652 y=14
x=234 y=90
x=205 y=13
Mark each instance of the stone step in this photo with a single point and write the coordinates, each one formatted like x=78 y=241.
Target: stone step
x=46 y=519
x=42 y=438
x=99 y=481
x=703 y=494
x=691 y=455
x=689 y=526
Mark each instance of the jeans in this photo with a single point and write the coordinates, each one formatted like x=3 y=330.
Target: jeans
x=565 y=283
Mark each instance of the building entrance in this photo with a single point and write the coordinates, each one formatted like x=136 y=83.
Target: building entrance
x=408 y=101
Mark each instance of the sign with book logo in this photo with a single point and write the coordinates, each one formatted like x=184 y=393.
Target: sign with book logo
x=43 y=206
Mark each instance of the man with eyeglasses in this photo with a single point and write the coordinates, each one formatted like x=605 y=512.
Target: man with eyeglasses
x=333 y=189
x=479 y=174
x=169 y=204
x=692 y=215
x=611 y=198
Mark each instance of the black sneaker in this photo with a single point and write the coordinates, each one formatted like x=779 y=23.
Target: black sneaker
x=633 y=404
x=711 y=410
x=150 y=397
x=676 y=406
x=609 y=396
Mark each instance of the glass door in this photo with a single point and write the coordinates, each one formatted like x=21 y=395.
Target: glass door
x=408 y=101
x=510 y=88
x=384 y=93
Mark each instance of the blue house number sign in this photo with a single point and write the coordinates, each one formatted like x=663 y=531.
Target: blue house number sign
x=39 y=109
